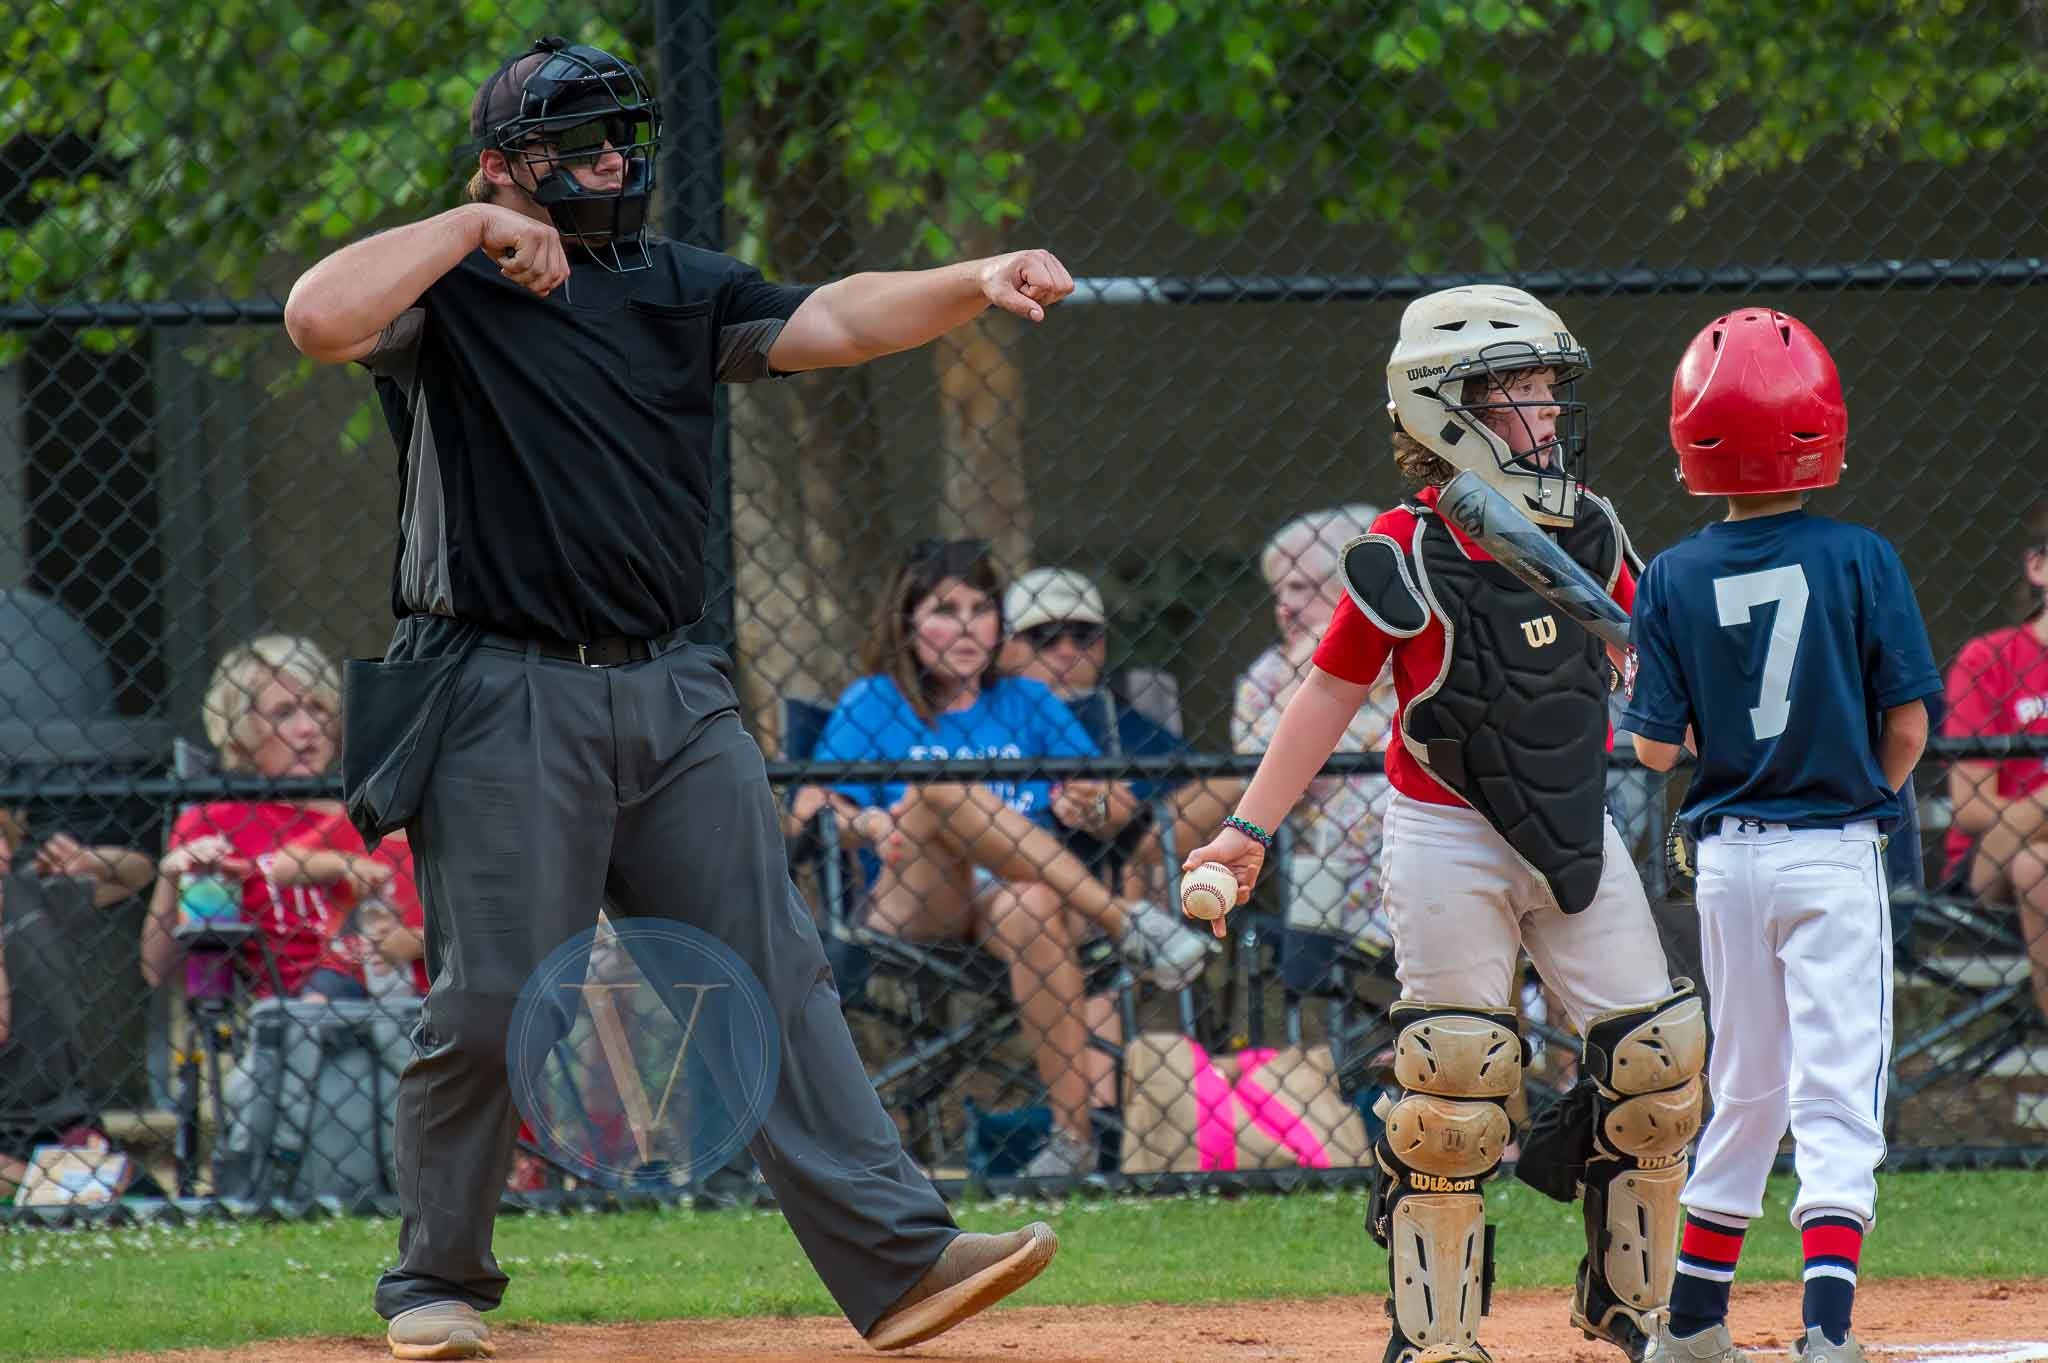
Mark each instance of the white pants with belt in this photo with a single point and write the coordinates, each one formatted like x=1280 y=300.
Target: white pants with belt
x=1796 y=936
x=1462 y=907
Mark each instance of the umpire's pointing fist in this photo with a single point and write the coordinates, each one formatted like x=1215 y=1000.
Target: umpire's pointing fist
x=1025 y=282
x=527 y=250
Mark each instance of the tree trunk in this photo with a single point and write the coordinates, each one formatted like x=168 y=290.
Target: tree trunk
x=983 y=489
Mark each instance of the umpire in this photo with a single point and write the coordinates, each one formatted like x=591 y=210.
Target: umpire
x=540 y=723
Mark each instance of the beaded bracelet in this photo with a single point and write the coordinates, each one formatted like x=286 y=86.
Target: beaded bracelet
x=1250 y=830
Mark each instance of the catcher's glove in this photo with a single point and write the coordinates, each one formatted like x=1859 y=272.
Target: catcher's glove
x=1681 y=857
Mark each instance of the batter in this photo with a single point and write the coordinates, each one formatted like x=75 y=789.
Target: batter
x=1792 y=649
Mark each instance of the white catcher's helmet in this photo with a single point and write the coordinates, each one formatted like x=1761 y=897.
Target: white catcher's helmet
x=1447 y=370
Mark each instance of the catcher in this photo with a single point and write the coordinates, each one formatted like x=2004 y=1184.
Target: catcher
x=1497 y=841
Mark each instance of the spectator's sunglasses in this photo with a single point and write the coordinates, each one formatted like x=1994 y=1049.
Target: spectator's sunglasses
x=1080 y=633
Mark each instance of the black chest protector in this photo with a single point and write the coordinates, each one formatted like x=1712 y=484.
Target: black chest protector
x=1517 y=722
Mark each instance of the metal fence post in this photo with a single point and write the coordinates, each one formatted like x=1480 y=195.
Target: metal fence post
x=692 y=180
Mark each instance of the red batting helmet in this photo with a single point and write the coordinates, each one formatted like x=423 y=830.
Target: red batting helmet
x=1756 y=407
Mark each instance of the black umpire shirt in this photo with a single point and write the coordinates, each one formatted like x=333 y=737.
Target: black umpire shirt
x=555 y=475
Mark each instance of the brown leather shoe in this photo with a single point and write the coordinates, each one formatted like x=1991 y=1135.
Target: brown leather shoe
x=440 y=1329
x=973 y=1273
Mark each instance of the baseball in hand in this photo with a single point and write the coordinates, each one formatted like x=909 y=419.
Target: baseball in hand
x=1208 y=892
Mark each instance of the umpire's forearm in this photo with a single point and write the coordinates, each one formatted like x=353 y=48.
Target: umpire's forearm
x=338 y=307
x=865 y=316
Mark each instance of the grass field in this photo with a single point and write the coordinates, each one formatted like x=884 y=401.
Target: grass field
x=76 y=1294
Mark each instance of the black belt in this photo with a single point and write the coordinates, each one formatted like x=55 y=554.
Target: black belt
x=608 y=652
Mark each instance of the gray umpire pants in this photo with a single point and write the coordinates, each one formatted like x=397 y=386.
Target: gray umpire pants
x=558 y=787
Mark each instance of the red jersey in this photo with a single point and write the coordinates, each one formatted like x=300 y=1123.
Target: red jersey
x=402 y=891
x=1999 y=685
x=1353 y=649
x=294 y=920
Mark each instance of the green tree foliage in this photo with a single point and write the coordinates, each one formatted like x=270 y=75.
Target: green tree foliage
x=1224 y=104
x=1220 y=104
x=1763 y=85
x=233 y=132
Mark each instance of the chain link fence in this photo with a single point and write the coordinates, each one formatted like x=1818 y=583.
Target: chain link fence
x=195 y=525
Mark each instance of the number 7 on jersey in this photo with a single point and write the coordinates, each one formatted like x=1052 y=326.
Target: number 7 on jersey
x=1736 y=598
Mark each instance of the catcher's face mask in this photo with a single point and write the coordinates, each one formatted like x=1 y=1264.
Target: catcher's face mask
x=585 y=124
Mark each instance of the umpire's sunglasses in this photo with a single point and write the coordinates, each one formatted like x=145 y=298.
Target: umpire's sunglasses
x=1079 y=633
x=583 y=143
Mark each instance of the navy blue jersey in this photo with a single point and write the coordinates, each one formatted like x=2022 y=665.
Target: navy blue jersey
x=1780 y=641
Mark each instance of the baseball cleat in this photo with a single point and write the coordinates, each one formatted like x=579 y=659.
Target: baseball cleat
x=1816 y=1347
x=1711 y=1345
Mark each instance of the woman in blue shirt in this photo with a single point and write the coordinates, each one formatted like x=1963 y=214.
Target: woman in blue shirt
x=980 y=861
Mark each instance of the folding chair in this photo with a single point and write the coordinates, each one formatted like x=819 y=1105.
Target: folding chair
x=1155 y=694
x=1966 y=963
x=1353 y=980
x=948 y=1004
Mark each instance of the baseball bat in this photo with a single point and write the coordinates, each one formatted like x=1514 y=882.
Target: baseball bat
x=1492 y=521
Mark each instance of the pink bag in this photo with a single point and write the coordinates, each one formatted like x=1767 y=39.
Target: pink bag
x=1186 y=1111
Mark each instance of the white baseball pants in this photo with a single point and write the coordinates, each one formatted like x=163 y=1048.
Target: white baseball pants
x=1797 y=941
x=1462 y=906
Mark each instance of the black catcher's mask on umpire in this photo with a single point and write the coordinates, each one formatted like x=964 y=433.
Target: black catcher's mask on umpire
x=562 y=105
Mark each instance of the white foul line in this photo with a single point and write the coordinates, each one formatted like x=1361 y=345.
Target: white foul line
x=1984 y=1351
x=2014 y=1351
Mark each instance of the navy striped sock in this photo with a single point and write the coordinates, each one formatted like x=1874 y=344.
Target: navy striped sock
x=1707 y=1252
x=1833 y=1245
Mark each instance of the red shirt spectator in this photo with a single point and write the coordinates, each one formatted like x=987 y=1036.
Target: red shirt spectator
x=272 y=710
x=294 y=920
x=1998 y=685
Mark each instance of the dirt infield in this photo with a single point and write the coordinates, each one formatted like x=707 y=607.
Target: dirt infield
x=1910 y=1321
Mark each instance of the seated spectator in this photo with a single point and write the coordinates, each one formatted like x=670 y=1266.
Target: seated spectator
x=1058 y=635
x=115 y=873
x=272 y=709
x=1333 y=876
x=47 y=987
x=1998 y=834
x=1063 y=641
x=981 y=862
